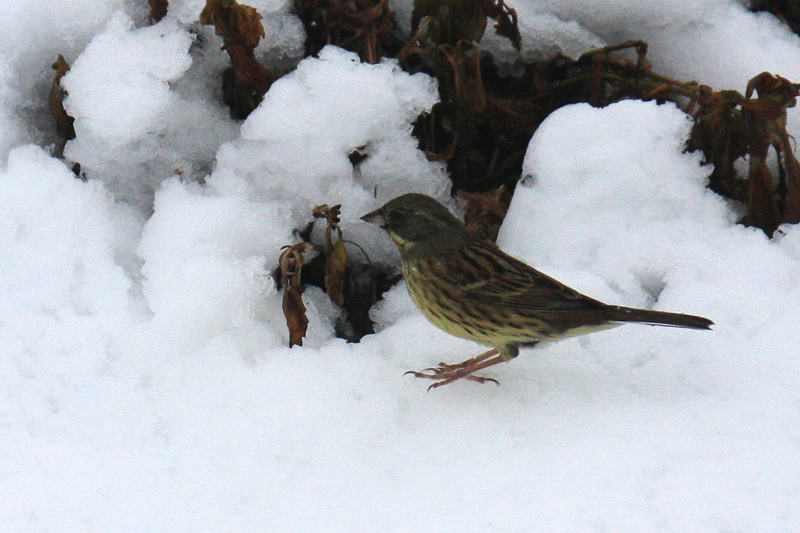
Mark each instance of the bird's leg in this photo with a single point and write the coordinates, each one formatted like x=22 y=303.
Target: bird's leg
x=446 y=367
x=444 y=374
x=469 y=362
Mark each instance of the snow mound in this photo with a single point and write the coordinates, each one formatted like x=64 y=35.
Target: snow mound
x=295 y=146
x=131 y=125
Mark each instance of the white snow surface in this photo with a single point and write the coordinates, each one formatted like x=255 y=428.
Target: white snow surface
x=144 y=380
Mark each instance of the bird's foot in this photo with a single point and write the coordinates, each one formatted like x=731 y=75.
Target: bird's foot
x=444 y=374
x=447 y=373
x=469 y=363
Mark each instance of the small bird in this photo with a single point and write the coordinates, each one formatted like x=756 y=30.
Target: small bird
x=470 y=288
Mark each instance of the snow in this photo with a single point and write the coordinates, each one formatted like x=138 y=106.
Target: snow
x=299 y=158
x=717 y=41
x=34 y=33
x=144 y=378
x=125 y=107
x=147 y=59
x=735 y=433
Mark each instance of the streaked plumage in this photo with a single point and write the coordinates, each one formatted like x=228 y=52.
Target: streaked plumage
x=472 y=289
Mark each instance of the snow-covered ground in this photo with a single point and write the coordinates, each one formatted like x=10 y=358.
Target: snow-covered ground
x=144 y=380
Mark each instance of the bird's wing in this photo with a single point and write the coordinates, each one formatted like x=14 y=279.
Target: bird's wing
x=501 y=280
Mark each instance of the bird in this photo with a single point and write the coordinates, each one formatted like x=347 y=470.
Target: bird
x=470 y=288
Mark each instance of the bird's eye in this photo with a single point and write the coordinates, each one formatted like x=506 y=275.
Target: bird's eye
x=398 y=217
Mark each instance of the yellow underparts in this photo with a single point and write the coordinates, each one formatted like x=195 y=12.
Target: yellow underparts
x=399 y=241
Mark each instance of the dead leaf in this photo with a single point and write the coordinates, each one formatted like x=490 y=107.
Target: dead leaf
x=358 y=155
x=158 y=9
x=290 y=265
x=335 y=253
x=241 y=29
x=295 y=312
x=791 y=209
x=450 y=21
x=64 y=123
x=505 y=21
x=335 y=267
x=761 y=209
x=363 y=26
x=484 y=211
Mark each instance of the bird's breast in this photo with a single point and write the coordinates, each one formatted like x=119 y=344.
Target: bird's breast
x=435 y=296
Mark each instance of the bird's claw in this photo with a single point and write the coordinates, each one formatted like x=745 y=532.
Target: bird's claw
x=445 y=374
x=482 y=379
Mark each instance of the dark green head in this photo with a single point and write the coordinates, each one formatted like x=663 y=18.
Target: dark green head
x=416 y=222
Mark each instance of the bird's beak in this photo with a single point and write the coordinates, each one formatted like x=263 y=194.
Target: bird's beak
x=375 y=217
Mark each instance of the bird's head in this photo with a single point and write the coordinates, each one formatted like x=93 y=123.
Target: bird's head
x=417 y=223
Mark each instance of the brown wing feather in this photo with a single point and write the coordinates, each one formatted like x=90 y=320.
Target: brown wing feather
x=500 y=280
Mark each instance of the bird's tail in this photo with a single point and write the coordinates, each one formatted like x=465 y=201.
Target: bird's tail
x=657 y=318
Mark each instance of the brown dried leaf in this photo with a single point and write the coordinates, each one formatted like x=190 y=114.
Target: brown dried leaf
x=761 y=209
x=451 y=21
x=466 y=86
x=64 y=123
x=484 y=211
x=233 y=21
x=290 y=265
x=719 y=131
x=248 y=24
x=335 y=267
x=209 y=13
x=363 y=26
x=240 y=28
x=358 y=155
x=330 y=213
x=335 y=254
x=158 y=9
x=729 y=126
x=791 y=209
x=765 y=118
x=295 y=313
x=505 y=21
x=778 y=89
